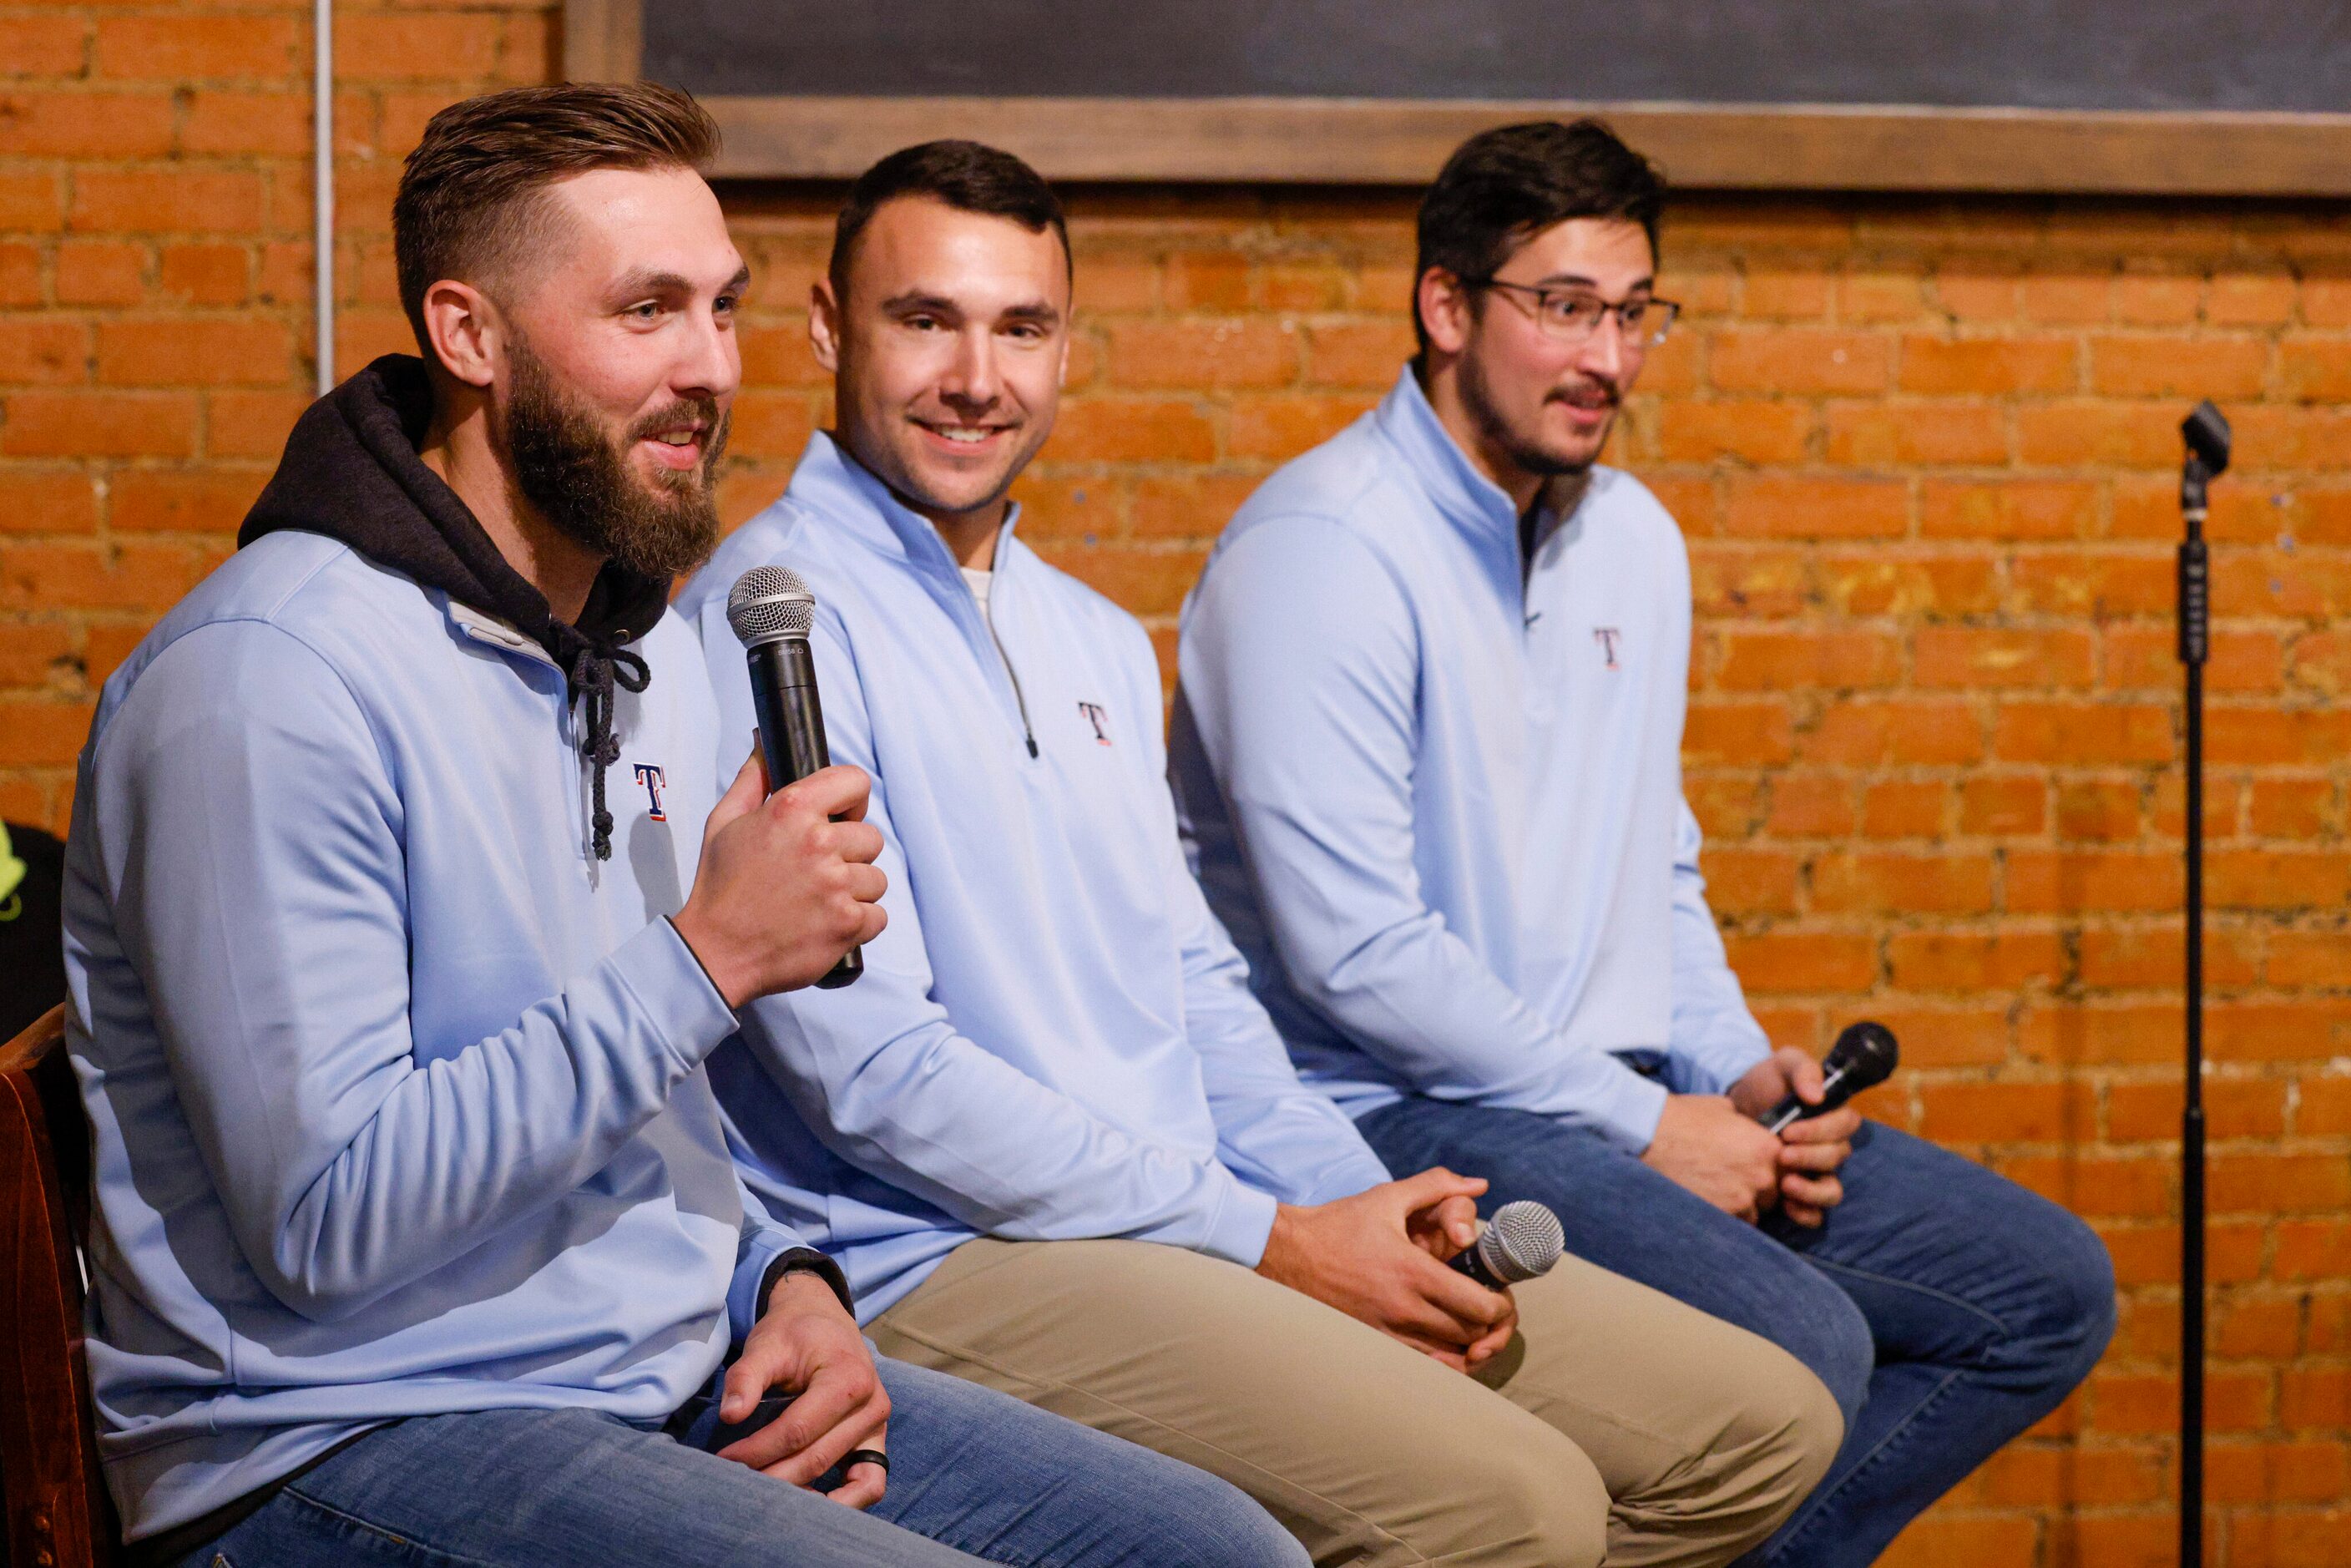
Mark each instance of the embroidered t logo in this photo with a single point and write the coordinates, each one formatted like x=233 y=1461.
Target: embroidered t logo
x=1607 y=637
x=650 y=775
x=1099 y=717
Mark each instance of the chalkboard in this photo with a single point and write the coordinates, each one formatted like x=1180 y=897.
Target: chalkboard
x=2148 y=95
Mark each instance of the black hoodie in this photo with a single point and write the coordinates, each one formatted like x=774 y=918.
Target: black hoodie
x=350 y=471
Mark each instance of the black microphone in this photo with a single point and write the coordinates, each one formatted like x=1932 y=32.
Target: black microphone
x=1520 y=1243
x=1862 y=1058
x=772 y=611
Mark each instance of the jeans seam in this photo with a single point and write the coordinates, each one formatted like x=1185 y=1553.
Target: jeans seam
x=395 y=1537
x=1831 y=1266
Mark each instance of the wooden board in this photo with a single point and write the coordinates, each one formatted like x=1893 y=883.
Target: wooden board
x=1402 y=141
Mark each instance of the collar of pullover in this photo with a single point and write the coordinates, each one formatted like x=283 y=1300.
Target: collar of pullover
x=1472 y=503
x=831 y=482
x=350 y=471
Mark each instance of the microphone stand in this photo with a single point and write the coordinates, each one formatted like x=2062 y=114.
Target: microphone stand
x=2207 y=442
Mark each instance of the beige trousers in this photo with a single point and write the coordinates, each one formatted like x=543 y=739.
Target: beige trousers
x=1618 y=1423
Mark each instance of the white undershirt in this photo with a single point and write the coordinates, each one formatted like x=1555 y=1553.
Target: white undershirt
x=979 y=578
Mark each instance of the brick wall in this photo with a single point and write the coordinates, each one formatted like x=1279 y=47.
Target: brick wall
x=1924 y=454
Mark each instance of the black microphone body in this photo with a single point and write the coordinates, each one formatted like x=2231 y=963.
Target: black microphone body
x=791 y=737
x=1520 y=1243
x=1863 y=1057
x=1472 y=1263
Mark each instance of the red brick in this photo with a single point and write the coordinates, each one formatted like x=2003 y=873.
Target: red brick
x=202 y=274
x=46 y=501
x=2170 y=367
x=1208 y=280
x=2072 y=1034
x=2007 y=1112
x=194 y=351
x=1188 y=351
x=1755 y=430
x=1986 y=366
x=2098 y=1185
x=2276 y=879
x=1992 y=805
x=1797 y=361
x=143 y=576
x=30 y=653
x=235 y=123
x=1194 y=507
x=1960 y=961
x=2316 y=371
x=1938 y=586
x=2105 y=435
x=144 y=202
x=20 y=274
x=31 y=202
x=255 y=423
x=43 y=352
x=1789 y=660
x=1973 y=656
x=179 y=48
x=2233 y=1108
x=397 y=45
x=85 y=125
x=2138 y=958
x=42 y=45
x=2156 y=299
x=101 y=272
x=1927 y=435
x=1142 y=582
x=60 y=424
x=1888 y=881
x=2079 y=734
x=1357 y=354
x=1817 y=509
x=1803 y=961
x=1279 y=427
x=38 y=733
x=2072 y=882
x=152 y=500
x=1860 y=732
x=1811 y=805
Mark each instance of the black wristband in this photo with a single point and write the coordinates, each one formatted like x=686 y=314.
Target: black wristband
x=805 y=1260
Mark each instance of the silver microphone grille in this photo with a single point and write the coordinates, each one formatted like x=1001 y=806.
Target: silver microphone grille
x=770 y=604
x=1522 y=1241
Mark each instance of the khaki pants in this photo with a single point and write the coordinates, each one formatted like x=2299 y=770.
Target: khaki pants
x=1618 y=1423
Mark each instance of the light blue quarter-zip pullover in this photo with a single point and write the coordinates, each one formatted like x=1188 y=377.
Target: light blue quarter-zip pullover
x=395 y=1089
x=1053 y=1039
x=1435 y=794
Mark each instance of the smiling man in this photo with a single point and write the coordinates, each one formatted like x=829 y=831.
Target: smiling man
x=1054 y=1141
x=417 y=1238
x=1428 y=748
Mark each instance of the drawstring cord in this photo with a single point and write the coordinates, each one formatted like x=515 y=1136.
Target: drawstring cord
x=596 y=668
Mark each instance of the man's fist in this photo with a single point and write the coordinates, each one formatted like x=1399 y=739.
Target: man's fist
x=783 y=890
x=1706 y=1143
x=1811 y=1150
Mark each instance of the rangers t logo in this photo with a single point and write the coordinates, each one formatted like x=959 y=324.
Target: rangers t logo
x=1607 y=637
x=1099 y=717
x=650 y=775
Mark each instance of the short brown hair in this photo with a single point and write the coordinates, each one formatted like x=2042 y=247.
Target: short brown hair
x=969 y=176
x=470 y=193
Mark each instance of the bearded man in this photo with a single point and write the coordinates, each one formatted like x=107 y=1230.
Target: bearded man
x=395 y=954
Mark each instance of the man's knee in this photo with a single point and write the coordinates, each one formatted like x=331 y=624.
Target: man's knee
x=1771 y=1449
x=1542 y=1504
x=1212 y=1524
x=2073 y=1316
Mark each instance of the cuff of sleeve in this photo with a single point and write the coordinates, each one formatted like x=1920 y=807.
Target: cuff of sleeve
x=666 y=976
x=1628 y=1115
x=1243 y=1221
x=807 y=1261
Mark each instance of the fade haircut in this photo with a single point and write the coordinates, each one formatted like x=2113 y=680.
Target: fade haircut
x=1502 y=187
x=969 y=176
x=473 y=196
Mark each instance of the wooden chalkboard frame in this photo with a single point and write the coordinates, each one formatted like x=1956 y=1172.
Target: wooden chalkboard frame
x=1383 y=141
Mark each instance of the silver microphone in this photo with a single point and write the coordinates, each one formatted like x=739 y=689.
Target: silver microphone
x=1520 y=1243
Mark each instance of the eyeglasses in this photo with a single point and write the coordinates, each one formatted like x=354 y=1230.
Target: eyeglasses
x=1572 y=315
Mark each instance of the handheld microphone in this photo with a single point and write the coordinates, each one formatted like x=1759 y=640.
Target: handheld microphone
x=1520 y=1243
x=1862 y=1058
x=772 y=612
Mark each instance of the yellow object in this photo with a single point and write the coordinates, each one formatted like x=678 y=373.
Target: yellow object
x=12 y=872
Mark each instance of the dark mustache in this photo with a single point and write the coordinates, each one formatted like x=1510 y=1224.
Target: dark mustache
x=702 y=411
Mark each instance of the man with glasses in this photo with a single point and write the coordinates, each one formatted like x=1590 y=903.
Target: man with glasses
x=1427 y=750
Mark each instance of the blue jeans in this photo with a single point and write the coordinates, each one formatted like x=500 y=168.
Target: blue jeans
x=1946 y=1308
x=972 y=1471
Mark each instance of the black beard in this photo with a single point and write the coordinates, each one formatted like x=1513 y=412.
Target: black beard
x=1531 y=458
x=584 y=486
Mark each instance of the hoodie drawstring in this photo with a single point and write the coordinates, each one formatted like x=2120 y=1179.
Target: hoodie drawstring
x=596 y=668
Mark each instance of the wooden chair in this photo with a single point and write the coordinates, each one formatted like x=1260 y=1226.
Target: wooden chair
x=58 y=1514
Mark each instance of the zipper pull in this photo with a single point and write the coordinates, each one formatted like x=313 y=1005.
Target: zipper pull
x=1032 y=745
